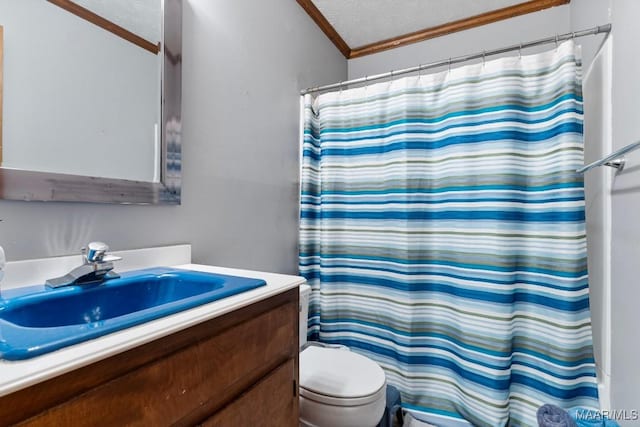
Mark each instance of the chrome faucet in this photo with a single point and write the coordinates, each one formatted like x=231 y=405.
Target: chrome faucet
x=97 y=266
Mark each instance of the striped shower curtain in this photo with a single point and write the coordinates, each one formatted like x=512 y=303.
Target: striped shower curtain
x=443 y=235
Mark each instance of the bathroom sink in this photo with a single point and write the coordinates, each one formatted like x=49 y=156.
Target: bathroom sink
x=49 y=319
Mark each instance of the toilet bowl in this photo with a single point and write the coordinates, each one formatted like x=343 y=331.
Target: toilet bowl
x=338 y=387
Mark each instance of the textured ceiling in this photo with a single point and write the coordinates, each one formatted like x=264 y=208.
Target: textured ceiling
x=141 y=17
x=362 y=22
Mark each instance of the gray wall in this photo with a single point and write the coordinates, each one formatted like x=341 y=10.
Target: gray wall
x=499 y=34
x=241 y=79
x=625 y=247
x=625 y=192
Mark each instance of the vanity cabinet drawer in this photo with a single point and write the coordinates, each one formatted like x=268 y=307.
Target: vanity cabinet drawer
x=271 y=402
x=185 y=385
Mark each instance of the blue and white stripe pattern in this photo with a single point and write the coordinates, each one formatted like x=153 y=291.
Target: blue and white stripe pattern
x=443 y=235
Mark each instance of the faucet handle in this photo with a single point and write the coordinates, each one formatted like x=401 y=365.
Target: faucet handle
x=97 y=252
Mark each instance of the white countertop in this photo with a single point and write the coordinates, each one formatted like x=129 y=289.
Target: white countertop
x=16 y=375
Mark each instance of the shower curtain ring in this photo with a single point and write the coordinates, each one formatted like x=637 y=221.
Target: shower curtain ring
x=556 y=41
x=573 y=35
x=520 y=51
x=449 y=64
x=484 y=59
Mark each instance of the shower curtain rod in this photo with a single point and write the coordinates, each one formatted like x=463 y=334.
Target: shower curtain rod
x=458 y=59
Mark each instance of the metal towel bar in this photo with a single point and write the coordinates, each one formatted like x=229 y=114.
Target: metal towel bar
x=614 y=160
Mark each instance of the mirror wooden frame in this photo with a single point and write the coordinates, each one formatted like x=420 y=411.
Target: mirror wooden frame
x=27 y=185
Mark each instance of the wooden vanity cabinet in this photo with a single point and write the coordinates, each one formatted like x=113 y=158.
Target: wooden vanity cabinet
x=240 y=369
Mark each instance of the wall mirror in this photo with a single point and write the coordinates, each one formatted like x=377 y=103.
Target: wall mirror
x=91 y=100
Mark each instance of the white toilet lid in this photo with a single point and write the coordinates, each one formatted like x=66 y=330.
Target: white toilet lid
x=339 y=373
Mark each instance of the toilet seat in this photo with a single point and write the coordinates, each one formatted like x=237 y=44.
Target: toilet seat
x=341 y=401
x=340 y=377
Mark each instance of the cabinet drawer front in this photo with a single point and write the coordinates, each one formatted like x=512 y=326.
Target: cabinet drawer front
x=187 y=386
x=271 y=402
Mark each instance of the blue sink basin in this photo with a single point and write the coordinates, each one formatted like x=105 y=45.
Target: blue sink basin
x=49 y=319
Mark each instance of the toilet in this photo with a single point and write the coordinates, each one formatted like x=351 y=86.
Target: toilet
x=338 y=388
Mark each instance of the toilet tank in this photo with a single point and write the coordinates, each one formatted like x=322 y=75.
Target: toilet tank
x=305 y=291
